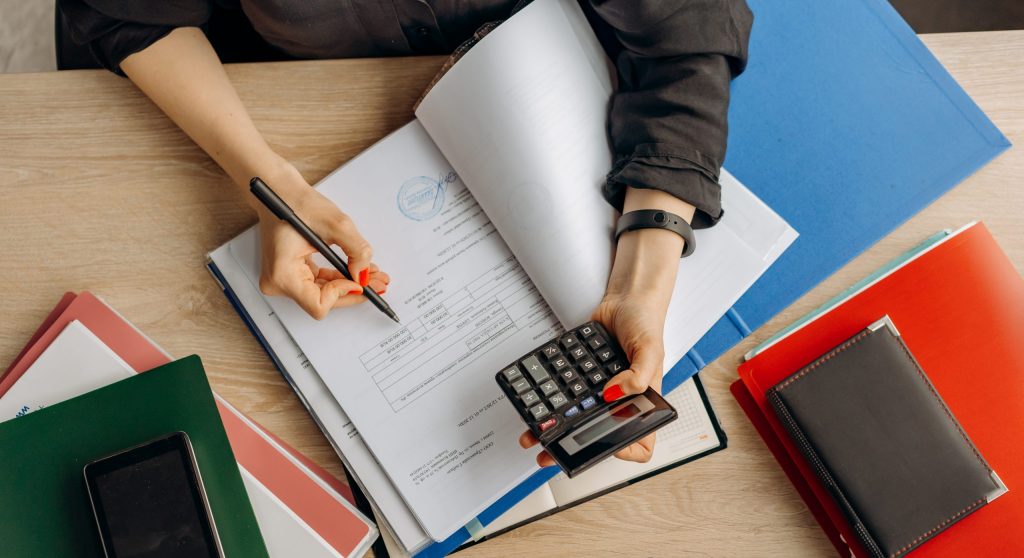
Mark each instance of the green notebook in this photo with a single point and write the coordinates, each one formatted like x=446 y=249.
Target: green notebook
x=44 y=506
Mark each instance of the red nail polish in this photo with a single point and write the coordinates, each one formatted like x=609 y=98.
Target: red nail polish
x=612 y=393
x=364 y=277
x=357 y=291
x=382 y=291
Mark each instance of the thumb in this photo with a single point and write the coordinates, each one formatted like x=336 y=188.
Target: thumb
x=642 y=372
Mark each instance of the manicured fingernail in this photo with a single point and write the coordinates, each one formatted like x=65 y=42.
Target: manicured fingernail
x=357 y=291
x=382 y=291
x=364 y=277
x=612 y=393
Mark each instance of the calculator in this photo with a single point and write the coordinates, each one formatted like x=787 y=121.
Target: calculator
x=557 y=387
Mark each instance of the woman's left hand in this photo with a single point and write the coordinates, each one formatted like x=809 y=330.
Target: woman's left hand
x=634 y=307
x=636 y=320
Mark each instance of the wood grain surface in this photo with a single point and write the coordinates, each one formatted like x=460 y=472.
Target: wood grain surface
x=100 y=192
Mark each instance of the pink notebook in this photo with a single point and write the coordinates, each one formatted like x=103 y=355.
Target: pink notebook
x=317 y=499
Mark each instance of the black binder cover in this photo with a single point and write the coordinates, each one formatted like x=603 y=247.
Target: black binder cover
x=884 y=443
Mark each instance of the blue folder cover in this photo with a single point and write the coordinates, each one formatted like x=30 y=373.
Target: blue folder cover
x=846 y=125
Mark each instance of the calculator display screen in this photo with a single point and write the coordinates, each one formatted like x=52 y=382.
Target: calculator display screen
x=607 y=423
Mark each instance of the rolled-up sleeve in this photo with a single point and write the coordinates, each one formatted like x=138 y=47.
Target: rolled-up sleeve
x=112 y=30
x=668 y=119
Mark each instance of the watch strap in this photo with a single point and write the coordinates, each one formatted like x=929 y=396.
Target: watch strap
x=657 y=219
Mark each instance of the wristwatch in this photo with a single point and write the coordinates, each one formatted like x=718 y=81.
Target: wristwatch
x=657 y=219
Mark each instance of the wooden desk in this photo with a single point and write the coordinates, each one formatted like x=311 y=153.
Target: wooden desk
x=99 y=191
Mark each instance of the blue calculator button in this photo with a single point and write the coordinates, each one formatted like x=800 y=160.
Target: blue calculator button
x=571 y=412
x=588 y=403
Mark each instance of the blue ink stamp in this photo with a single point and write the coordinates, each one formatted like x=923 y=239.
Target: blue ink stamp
x=422 y=197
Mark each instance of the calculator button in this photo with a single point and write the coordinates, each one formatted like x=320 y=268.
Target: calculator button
x=568 y=375
x=534 y=368
x=588 y=330
x=558 y=400
x=560 y=363
x=578 y=353
x=587 y=364
x=578 y=388
x=605 y=354
x=614 y=367
x=520 y=385
x=569 y=341
x=588 y=403
x=539 y=411
x=595 y=378
x=511 y=373
x=547 y=424
x=550 y=351
x=548 y=387
x=571 y=412
x=596 y=342
x=530 y=397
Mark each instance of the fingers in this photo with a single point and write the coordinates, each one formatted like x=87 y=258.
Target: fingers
x=345 y=234
x=640 y=452
x=644 y=371
x=528 y=440
x=378 y=280
x=315 y=294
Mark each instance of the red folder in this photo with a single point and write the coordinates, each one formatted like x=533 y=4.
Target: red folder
x=960 y=309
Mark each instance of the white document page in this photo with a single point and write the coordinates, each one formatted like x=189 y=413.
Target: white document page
x=422 y=394
x=239 y=263
x=75 y=362
x=522 y=118
x=284 y=533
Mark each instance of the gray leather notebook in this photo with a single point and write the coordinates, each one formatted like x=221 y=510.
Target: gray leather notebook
x=883 y=442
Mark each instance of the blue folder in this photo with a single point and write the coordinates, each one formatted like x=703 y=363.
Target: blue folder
x=846 y=125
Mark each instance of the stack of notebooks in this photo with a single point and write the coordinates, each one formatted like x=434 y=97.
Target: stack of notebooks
x=486 y=211
x=904 y=435
x=74 y=394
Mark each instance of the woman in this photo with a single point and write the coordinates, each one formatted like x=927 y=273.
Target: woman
x=667 y=126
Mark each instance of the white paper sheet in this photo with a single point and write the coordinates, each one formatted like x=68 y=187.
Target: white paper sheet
x=522 y=118
x=76 y=362
x=238 y=262
x=422 y=394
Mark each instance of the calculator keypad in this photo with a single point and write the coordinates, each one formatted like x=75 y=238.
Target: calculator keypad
x=560 y=382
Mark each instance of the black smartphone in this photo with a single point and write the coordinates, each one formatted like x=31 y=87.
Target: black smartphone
x=149 y=502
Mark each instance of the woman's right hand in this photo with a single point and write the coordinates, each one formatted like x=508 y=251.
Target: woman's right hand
x=288 y=268
x=183 y=76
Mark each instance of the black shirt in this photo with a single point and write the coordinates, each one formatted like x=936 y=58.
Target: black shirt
x=675 y=59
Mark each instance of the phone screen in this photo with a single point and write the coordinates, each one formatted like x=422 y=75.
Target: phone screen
x=149 y=502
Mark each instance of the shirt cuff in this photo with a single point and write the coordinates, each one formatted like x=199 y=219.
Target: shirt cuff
x=684 y=173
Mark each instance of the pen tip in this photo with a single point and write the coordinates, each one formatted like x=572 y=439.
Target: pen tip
x=394 y=316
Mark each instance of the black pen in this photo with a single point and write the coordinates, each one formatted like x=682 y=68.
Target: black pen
x=278 y=207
